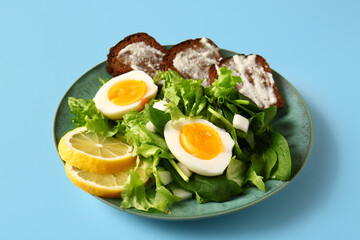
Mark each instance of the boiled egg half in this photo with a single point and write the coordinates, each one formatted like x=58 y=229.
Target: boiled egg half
x=199 y=145
x=121 y=94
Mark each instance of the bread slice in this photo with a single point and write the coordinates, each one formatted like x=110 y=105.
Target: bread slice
x=257 y=81
x=192 y=58
x=139 y=51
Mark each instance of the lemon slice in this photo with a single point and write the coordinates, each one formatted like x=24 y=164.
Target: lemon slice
x=101 y=185
x=94 y=152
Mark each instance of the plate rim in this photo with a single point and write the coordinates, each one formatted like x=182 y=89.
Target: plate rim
x=170 y=217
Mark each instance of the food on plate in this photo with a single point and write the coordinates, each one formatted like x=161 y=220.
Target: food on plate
x=94 y=152
x=257 y=81
x=139 y=51
x=121 y=94
x=199 y=145
x=193 y=58
x=202 y=135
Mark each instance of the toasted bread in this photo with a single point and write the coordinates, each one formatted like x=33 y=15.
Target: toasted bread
x=139 y=51
x=257 y=81
x=193 y=58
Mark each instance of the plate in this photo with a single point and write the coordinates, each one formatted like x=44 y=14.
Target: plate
x=293 y=121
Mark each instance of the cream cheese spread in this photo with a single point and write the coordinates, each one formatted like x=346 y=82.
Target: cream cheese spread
x=257 y=84
x=142 y=57
x=195 y=63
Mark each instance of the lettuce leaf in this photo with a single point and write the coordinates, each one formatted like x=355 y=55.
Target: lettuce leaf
x=77 y=107
x=153 y=149
x=187 y=94
x=223 y=93
x=137 y=196
x=146 y=143
x=134 y=194
x=86 y=114
x=224 y=86
x=174 y=111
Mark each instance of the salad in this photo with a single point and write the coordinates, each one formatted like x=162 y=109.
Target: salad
x=257 y=152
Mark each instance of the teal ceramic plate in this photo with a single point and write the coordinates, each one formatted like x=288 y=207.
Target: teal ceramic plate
x=293 y=121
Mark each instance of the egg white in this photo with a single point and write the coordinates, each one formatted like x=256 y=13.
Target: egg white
x=212 y=167
x=113 y=111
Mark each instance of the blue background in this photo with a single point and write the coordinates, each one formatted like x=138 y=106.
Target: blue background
x=45 y=46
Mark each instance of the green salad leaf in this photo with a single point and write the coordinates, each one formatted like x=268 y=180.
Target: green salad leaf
x=255 y=179
x=137 y=196
x=86 y=114
x=158 y=118
x=134 y=195
x=261 y=120
x=224 y=94
x=133 y=128
x=153 y=149
x=206 y=189
x=224 y=86
x=187 y=95
x=280 y=146
x=236 y=171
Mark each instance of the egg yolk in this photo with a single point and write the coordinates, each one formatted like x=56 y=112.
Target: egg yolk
x=127 y=92
x=200 y=140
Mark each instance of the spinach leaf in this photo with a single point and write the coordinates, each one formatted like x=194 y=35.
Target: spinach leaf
x=282 y=171
x=206 y=189
x=236 y=171
x=258 y=163
x=218 y=189
x=255 y=179
x=250 y=138
x=263 y=162
x=270 y=158
x=158 y=118
x=261 y=120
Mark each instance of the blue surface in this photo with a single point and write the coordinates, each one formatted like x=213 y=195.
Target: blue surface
x=45 y=46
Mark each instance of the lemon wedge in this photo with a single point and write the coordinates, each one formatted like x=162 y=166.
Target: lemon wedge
x=95 y=153
x=101 y=185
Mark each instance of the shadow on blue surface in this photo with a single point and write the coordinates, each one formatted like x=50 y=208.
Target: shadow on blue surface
x=297 y=202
